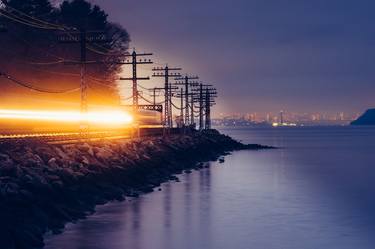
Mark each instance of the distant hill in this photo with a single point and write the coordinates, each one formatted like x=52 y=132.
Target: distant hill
x=368 y=118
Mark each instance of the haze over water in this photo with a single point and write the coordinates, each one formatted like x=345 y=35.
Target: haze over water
x=317 y=191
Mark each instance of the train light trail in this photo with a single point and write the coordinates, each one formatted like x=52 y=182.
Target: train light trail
x=95 y=117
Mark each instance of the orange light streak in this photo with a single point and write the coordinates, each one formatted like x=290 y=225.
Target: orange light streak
x=111 y=117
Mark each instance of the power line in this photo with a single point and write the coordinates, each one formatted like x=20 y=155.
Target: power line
x=33 y=21
x=34 y=88
x=49 y=26
x=149 y=101
x=34 y=18
x=22 y=21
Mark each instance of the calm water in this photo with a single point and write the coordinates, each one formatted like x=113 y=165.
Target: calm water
x=316 y=192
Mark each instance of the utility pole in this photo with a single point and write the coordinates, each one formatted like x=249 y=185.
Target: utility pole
x=83 y=39
x=187 y=83
x=182 y=107
x=173 y=92
x=180 y=94
x=210 y=94
x=154 y=96
x=83 y=85
x=208 y=111
x=154 y=100
x=134 y=77
x=201 y=106
x=192 y=110
x=201 y=100
x=166 y=74
x=190 y=106
x=154 y=93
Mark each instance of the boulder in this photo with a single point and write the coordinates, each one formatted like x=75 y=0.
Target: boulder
x=5 y=160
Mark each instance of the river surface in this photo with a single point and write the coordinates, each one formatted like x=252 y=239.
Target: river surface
x=316 y=192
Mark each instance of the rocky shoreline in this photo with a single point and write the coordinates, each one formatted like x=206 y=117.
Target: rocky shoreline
x=43 y=186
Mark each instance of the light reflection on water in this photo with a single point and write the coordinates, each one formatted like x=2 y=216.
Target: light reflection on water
x=316 y=192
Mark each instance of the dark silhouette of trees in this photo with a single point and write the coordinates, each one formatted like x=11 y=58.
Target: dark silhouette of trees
x=36 y=8
x=26 y=51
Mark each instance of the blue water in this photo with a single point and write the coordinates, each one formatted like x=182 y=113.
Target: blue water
x=317 y=191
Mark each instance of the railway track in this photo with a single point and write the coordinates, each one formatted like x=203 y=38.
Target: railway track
x=78 y=137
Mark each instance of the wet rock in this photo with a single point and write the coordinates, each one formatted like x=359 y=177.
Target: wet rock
x=11 y=170
x=103 y=154
x=53 y=163
x=5 y=160
x=85 y=161
x=173 y=178
x=61 y=154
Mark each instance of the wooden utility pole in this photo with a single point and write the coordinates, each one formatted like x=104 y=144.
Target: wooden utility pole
x=209 y=101
x=83 y=39
x=188 y=83
x=135 y=61
x=166 y=73
x=204 y=97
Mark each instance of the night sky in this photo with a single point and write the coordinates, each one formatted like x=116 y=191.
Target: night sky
x=263 y=55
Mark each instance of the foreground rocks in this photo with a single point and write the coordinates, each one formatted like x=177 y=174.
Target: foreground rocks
x=42 y=186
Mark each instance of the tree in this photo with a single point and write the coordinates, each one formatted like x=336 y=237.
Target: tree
x=24 y=45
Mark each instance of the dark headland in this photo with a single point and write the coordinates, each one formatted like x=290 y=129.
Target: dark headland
x=44 y=186
x=368 y=118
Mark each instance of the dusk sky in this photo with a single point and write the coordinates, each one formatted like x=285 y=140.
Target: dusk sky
x=263 y=55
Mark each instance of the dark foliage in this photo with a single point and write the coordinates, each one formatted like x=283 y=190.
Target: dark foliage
x=25 y=52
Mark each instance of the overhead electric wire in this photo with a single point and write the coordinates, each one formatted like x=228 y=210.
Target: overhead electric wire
x=34 y=88
x=108 y=53
x=32 y=63
x=34 y=18
x=53 y=26
x=99 y=80
x=41 y=22
x=150 y=102
x=46 y=63
x=176 y=106
x=144 y=88
x=33 y=24
x=27 y=43
x=99 y=93
x=16 y=20
x=95 y=81
x=22 y=21
x=57 y=73
x=127 y=98
x=41 y=25
x=31 y=21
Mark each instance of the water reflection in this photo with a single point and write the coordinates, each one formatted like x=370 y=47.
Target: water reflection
x=317 y=192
